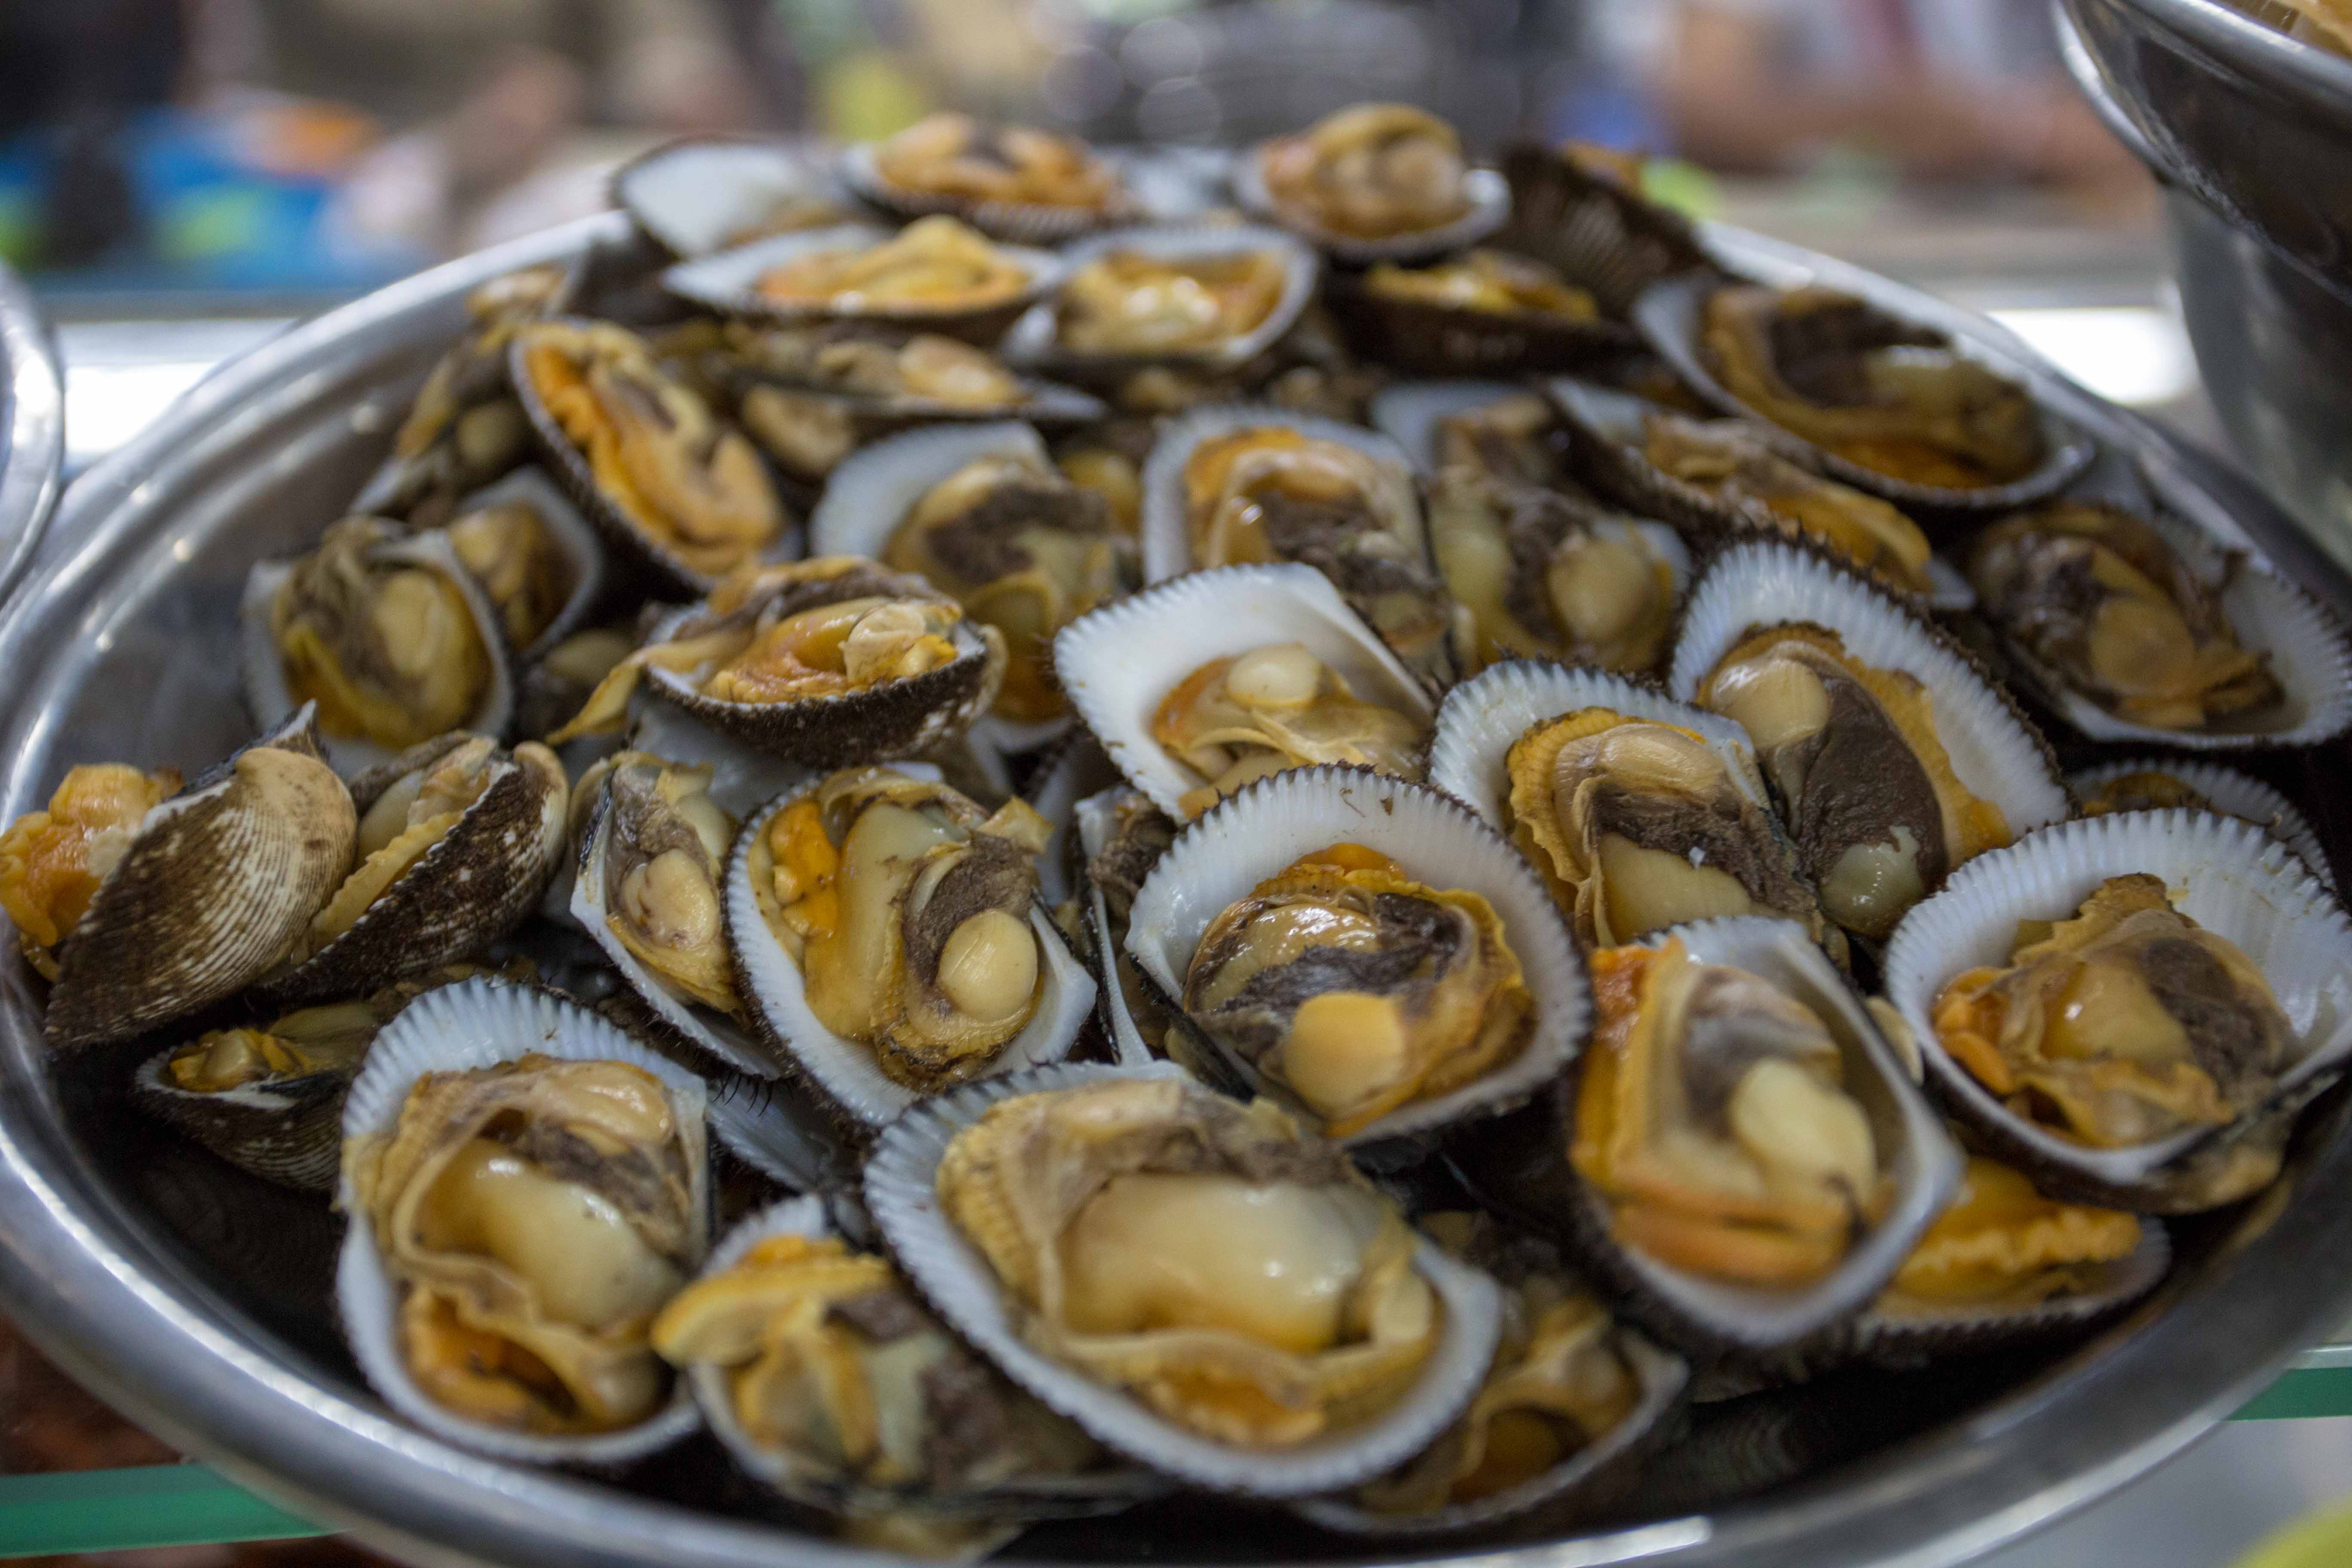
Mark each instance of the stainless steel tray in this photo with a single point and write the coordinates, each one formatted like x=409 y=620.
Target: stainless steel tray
x=112 y=1246
x=32 y=430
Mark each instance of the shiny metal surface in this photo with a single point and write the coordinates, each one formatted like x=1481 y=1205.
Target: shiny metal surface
x=2253 y=122
x=117 y=649
x=32 y=430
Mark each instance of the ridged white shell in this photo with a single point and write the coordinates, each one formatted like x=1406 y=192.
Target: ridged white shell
x=845 y=1070
x=1437 y=841
x=1409 y=412
x=1119 y=662
x=2232 y=793
x=693 y=195
x=2230 y=877
x=1167 y=543
x=868 y=497
x=899 y=1189
x=478 y=1023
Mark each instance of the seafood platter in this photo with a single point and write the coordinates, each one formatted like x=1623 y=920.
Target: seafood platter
x=921 y=854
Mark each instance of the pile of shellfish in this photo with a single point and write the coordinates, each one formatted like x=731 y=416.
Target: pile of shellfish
x=1000 y=842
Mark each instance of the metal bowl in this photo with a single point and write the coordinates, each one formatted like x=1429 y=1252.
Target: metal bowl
x=196 y=1304
x=32 y=430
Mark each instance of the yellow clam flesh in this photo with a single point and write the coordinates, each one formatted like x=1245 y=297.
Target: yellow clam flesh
x=1715 y=1122
x=1514 y=438
x=1239 y=1278
x=1638 y=825
x=906 y=908
x=1864 y=784
x=52 y=861
x=1546 y=577
x=850 y=362
x=2003 y=1244
x=1134 y=303
x=1258 y=713
x=466 y=429
x=1494 y=281
x=934 y=263
x=1375 y=171
x=833 y=1363
x=1888 y=397
x=520 y=564
x=1024 y=550
x=2122 y=1023
x=385 y=643
x=1359 y=990
x=2096 y=594
x=534 y=1216
x=956 y=155
x=664 y=860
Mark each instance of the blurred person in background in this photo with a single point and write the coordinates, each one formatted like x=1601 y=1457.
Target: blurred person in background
x=1946 y=90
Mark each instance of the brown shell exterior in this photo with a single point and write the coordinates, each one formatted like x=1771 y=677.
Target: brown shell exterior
x=208 y=898
x=299 y=1146
x=482 y=879
x=1422 y=338
x=1600 y=236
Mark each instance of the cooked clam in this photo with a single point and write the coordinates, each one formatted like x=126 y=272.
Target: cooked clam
x=933 y=264
x=1492 y=282
x=1725 y=462
x=2145 y=789
x=1713 y=1121
x=1638 y=825
x=2162 y=784
x=1359 y=990
x=906 y=908
x=144 y=904
x=2097 y=595
x=955 y=157
x=537 y=559
x=680 y=485
x=1376 y=171
x=924 y=368
x=532 y=1217
x=1546 y=575
x=1514 y=437
x=1257 y=713
x=1239 y=1278
x=1865 y=784
x=1888 y=397
x=1133 y=302
x=389 y=636
x=806 y=434
x=1123 y=835
x=665 y=843
x=2122 y=1025
x=2003 y=1245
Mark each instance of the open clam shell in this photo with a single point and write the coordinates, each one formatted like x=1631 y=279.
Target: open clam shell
x=1250 y=836
x=900 y=717
x=1482 y=718
x=1600 y=235
x=287 y=1130
x=843 y=1072
x=1669 y=317
x=480 y=879
x=1021 y=223
x=1606 y=429
x=727 y=282
x=475 y=1024
x=2231 y=877
x=1420 y=337
x=2304 y=643
x=706 y=194
x=869 y=497
x=1096 y=818
x=1901 y=1334
x=218 y=881
x=872 y=415
x=1527 y=1170
x=581 y=546
x=271 y=700
x=1490 y=208
x=1036 y=338
x=2234 y=794
x=1409 y=412
x=1995 y=752
x=1103 y=1491
x=901 y=1190
x=1119 y=662
x=1592 y=1469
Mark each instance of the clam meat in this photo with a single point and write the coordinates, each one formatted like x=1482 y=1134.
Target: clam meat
x=1274 y=707
x=534 y=1216
x=1516 y=437
x=1713 y=1120
x=2148 y=789
x=933 y=264
x=1882 y=393
x=1357 y=989
x=906 y=907
x=385 y=643
x=521 y=564
x=1267 y=494
x=52 y=862
x=954 y=155
x=1237 y=1277
x=2098 y=596
x=1135 y=302
x=688 y=483
x=1864 y=784
x=1638 y=825
x=2002 y=1244
x=1495 y=282
x=856 y=363
x=1547 y=576
x=1024 y=550
x=664 y=858
x=1725 y=461
x=1376 y=170
x=465 y=429
x=2123 y=1024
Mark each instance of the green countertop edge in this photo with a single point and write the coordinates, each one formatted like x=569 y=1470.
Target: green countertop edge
x=190 y=1505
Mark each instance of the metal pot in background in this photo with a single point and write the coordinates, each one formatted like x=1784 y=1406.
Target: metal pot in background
x=2250 y=132
x=32 y=430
